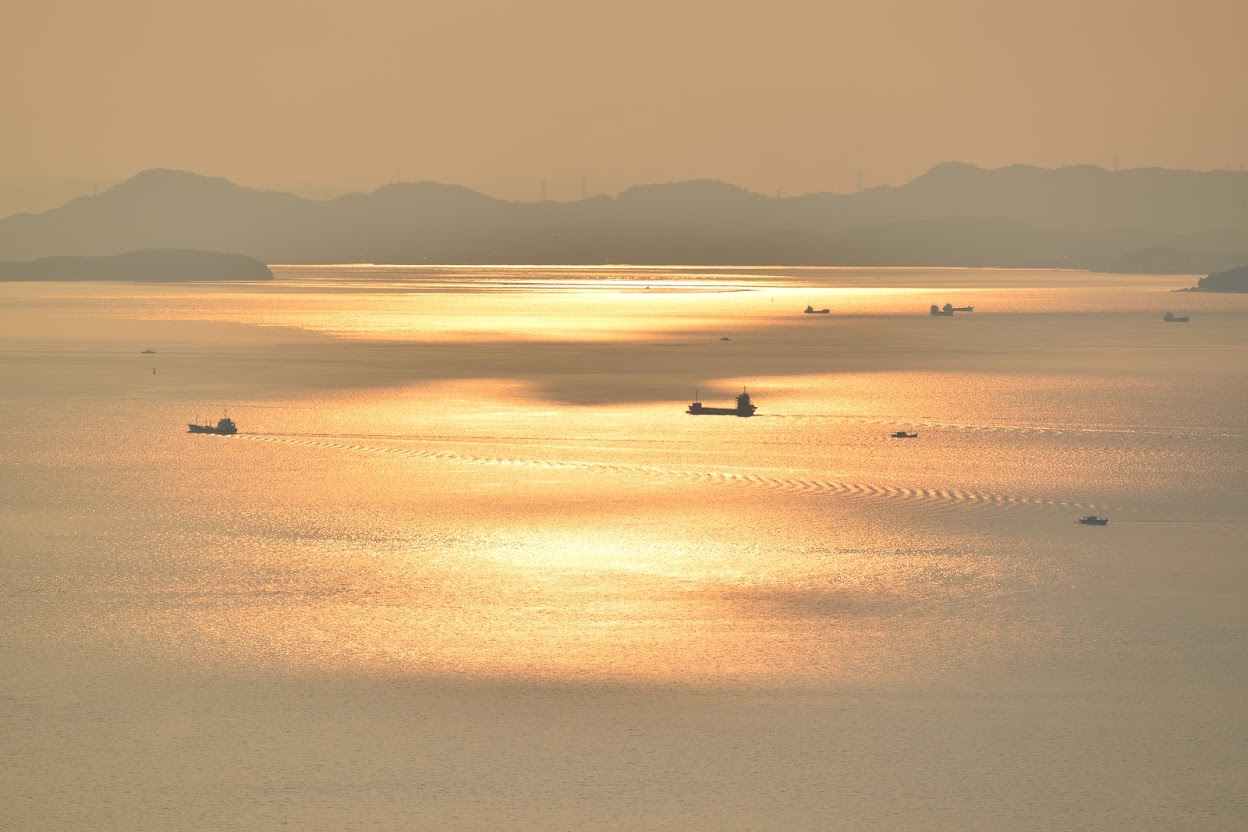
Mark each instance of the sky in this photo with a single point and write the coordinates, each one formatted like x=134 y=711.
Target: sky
x=788 y=96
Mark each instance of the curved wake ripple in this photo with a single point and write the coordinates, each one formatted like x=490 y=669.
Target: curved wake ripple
x=796 y=485
x=963 y=427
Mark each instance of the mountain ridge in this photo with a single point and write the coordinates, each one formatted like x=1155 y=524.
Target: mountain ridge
x=1079 y=216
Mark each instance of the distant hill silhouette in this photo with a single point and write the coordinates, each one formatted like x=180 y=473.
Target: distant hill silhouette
x=163 y=266
x=1232 y=280
x=954 y=215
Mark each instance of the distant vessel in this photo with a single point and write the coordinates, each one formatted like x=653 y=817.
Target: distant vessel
x=743 y=408
x=1093 y=520
x=1172 y=318
x=224 y=427
x=901 y=434
x=810 y=310
x=150 y=351
x=725 y=338
x=949 y=309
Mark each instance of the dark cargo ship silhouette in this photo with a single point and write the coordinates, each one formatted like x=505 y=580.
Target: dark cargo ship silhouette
x=1093 y=520
x=949 y=309
x=810 y=310
x=743 y=408
x=1172 y=318
x=224 y=427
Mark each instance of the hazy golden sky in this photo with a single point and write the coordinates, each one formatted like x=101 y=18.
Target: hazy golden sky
x=498 y=94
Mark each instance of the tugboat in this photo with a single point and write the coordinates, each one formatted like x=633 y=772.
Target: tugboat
x=1172 y=318
x=743 y=408
x=224 y=427
x=1093 y=520
x=810 y=310
x=901 y=434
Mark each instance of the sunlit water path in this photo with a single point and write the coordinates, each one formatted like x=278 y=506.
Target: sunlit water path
x=468 y=563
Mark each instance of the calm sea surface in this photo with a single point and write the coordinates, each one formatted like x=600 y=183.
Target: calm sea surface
x=469 y=565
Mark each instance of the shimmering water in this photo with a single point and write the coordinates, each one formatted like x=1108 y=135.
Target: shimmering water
x=468 y=564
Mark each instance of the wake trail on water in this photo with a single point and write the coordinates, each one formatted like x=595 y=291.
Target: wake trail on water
x=1124 y=430
x=783 y=483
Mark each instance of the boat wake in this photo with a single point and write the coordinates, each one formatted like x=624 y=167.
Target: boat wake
x=1127 y=430
x=772 y=482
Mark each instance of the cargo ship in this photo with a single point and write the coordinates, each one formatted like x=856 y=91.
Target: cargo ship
x=1172 y=318
x=743 y=408
x=224 y=427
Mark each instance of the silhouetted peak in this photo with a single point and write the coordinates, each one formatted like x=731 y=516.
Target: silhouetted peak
x=689 y=191
x=171 y=175
x=948 y=177
x=160 y=186
x=165 y=180
x=1086 y=170
x=951 y=169
x=947 y=172
x=955 y=173
x=429 y=190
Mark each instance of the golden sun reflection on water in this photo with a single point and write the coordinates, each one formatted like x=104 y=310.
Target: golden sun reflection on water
x=504 y=483
x=613 y=304
x=500 y=536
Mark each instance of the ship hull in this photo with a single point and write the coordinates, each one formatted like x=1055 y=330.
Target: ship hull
x=210 y=429
x=744 y=408
x=718 y=412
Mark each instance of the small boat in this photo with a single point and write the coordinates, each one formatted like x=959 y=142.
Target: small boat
x=964 y=309
x=1172 y=318
x=725 y=338
x=949 y=309
x=744 y=407
x=1093 y=520
x=224 y=427
x=901 y=434
x=810 y=310
x=148 y=351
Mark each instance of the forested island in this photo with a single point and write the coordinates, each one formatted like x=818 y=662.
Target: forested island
x=1232 y=280
x=149 y=266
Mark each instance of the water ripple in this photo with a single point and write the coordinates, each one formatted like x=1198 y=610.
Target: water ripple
x=771 y=482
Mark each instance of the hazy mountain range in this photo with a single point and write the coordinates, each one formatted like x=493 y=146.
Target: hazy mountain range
x=954 y=215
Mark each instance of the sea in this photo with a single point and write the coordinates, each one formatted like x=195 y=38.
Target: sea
x=468 y=564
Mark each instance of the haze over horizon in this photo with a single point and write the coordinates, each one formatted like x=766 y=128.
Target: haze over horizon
x=509 y=100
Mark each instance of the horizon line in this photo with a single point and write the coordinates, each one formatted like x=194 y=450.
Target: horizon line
x=778 y=196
